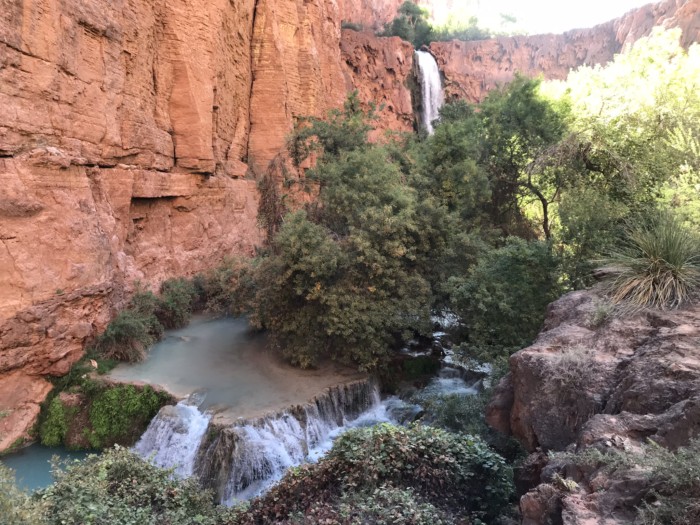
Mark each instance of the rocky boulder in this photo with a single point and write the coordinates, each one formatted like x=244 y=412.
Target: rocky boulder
x=596 y=379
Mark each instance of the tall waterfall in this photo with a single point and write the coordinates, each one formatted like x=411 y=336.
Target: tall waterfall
x=431 y=89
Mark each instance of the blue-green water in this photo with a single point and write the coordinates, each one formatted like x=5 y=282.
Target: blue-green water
x=32 y=465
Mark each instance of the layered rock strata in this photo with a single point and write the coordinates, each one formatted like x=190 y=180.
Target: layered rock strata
x=381 y=71
x=605 y=382
x=130 y=137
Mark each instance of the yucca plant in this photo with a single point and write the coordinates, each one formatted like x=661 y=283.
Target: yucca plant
x=657 y=267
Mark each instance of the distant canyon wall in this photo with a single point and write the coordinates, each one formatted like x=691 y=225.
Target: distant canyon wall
x=472 y=69
x=132 y=133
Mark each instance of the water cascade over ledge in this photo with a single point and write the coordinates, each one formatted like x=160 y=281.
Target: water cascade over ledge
x=242 y=459
x=431 y=89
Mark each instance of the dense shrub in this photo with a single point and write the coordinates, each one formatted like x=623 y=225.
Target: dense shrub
x=119 y=488
x=132 y=331
x=16 y=508
x=53 y=429
x=412 y=24
x=672 y=492
x=119 y=414
x=223 y=290
x=675 y=496
x=385 y=505
x=126 y=338
x=503 y=300
x=351 y=25
x=590 y=223
x=104 y=414
x=466 y=414
x=174 y=306
x=451 y=472
x=657 y=267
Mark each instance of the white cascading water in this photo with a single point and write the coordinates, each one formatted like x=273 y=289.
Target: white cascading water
x=245 y=459
x=173 y=437
x=431 y=88
x=266 y=448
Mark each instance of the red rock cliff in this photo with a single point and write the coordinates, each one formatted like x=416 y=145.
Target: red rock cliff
x=128 y=132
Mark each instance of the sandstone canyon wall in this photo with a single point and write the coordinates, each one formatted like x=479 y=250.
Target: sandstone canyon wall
x=123 y=126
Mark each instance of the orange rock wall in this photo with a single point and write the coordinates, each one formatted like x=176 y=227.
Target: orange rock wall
x=296 y=68
x=371 y=14
x=130 y=132
x=380 y=69
x=124 y=129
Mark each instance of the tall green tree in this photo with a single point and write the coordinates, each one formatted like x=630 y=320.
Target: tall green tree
x=346 y=277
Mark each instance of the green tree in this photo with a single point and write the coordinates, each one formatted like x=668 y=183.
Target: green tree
x=523 y=132
x=503 y=299
x=411 y=24
x=349 y=276
x=635 y=122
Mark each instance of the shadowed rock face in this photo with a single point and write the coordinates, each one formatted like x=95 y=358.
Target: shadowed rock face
x=610 y=385
x=131 y=134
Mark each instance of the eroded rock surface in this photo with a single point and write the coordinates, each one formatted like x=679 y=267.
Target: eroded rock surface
x=380 y=69
x=604 y=382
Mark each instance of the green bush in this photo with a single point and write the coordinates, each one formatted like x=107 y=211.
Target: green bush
x=590 y=222
x=385 y=505
x=503 y=300
x=221 y=291
x=174 y=306
x=672 y=493
x=119 y=488
x=411 y=24
x=126 y=338
x=451 y=472
x=132 y=331
x=675 y=496
x=53 y=430
x=657 y=267
x=351 y=25
x=466 y=414
x=119 y=414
